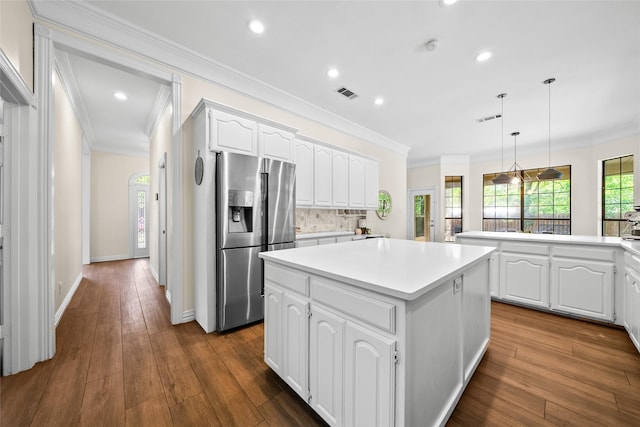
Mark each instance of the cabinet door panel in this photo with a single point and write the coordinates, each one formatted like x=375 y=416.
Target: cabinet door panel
x=356 y=182
x=371 y=184
x=275 y=143
x=341 y=181
x=295 y=343
x=369 y=378
x=326 y=364
x=304 y=173
x=322 y=176
x=582 y=287
x=525 y=278
x=273 y=327
x=232 y=133
x=634 y=308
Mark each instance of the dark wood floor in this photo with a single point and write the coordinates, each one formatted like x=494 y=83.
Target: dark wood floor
x=120 y=362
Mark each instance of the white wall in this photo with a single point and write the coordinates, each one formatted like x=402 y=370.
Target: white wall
x=16 y=37
x=110 y=175
x=585 y=181
x=68 y=196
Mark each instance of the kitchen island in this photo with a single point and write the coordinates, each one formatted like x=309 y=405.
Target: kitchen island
x=377 y=332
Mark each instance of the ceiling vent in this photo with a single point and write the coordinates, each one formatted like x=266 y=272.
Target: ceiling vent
x=347 y=93
x=486 y=119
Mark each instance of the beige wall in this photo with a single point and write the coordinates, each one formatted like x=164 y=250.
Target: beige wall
x=110 y=175
x=67 y=137
x=585 y=180
x=392 y=175
x=160 y=143
x=16 y=36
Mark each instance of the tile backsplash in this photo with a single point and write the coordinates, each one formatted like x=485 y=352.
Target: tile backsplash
x=321 y=220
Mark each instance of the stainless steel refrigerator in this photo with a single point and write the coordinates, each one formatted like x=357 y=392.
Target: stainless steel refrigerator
x=255 y=206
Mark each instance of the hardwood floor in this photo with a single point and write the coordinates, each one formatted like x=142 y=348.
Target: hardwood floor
x=121 y=362
x=542 y=369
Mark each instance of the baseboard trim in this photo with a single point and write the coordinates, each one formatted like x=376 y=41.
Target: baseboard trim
x=110 y=258
x=188 y=316
x=154 y=273
x=67 y=299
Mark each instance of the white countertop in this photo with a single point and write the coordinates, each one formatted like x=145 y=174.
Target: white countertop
x=543 y=238
x=400 y=268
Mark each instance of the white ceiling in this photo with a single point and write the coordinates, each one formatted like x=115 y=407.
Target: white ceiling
x=432 y=99
x=111 y=124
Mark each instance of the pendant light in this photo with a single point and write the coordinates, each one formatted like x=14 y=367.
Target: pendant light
x=503 y=178
x=515 y=178
x=550 y=173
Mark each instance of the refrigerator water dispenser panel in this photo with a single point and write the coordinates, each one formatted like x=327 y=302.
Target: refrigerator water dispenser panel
x=240 y=211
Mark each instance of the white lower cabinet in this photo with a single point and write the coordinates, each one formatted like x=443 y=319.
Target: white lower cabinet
x=272 y=327
x=326 y=368
x=295 y=342
x=571 y=278
x=632 y=298
x=525 y=278
x=582 y=287
x=371 y=359
x=369 y=376
x=582 y=281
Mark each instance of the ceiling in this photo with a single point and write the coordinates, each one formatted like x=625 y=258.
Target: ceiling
x=432 y=98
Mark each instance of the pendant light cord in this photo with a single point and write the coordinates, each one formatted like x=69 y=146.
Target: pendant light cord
x=550 y=123
x=502 y=128
x=501 y=96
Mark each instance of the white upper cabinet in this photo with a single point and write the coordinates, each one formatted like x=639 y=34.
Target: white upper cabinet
x=341 y=179
x=371 y=184
x=356 y=182
x=330 y=178
x=304 y=173
x=236 y=131
x=231 y=133
x=322 y=176
x=275 y=143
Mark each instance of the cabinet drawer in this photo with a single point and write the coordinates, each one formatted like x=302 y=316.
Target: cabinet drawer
x=582 y=252
x=292 y=279
x=632 y=261
x=326 y=240
x=377 y=313
x=525 y=248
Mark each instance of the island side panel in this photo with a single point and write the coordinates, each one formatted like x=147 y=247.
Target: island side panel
x=447 y=333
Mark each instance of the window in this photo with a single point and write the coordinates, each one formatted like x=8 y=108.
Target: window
x=452 y=207
x=531 y=207
x=617 y=194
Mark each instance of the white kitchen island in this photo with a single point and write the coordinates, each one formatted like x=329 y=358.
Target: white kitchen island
x=377 y=332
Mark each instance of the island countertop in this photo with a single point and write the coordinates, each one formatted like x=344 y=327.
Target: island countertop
x=400 y=268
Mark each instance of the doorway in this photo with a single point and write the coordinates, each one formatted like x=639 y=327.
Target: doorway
x=162 y=220
x=421 y=212
x=138 y=217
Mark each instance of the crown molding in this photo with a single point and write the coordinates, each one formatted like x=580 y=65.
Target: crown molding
x=69 y=85
x=89 y=21
x=13 y=88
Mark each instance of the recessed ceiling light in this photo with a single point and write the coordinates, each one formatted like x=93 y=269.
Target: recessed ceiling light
x=256 y=26
x=483 y=56
x=378 y=101
x=121 y=96
x=447 y=2
x=333 y=73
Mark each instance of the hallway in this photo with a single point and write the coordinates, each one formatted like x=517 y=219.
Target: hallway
x=121 y=362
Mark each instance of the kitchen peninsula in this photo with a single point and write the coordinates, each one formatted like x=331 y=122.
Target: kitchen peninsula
x=377 y=332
